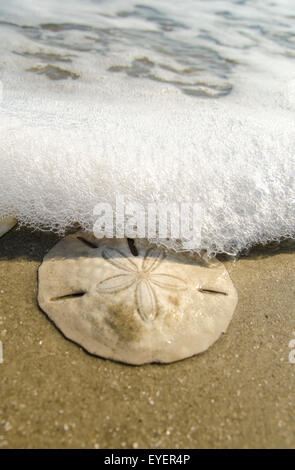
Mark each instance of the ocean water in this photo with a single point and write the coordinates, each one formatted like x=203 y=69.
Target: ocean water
x=160 y=101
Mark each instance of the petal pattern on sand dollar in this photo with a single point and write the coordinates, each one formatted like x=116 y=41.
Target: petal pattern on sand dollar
x=119 y=259
x=168 y=281
x=146 y=301
x=142 y=279
x=116 y=283
x=152 y=259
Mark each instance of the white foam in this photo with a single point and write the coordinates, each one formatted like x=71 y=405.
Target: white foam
x=67 y=145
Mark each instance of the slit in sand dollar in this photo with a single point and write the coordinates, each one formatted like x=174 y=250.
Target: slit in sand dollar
x=6 y=224
x=124 y=300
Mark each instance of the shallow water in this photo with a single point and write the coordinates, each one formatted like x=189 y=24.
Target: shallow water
x=195 y=46
x=159 y=101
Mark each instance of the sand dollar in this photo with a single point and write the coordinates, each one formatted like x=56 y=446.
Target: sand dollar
x=124 y=300
x=6 y=224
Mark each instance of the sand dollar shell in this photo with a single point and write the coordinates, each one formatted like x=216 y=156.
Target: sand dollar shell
x=6 y=224
x=134 y=305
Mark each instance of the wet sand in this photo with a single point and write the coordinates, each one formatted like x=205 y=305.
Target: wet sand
x=238 y=394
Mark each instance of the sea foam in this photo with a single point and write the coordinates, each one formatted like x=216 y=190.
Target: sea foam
x=80 y=126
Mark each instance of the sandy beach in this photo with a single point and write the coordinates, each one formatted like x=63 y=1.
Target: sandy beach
x=238 y=394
